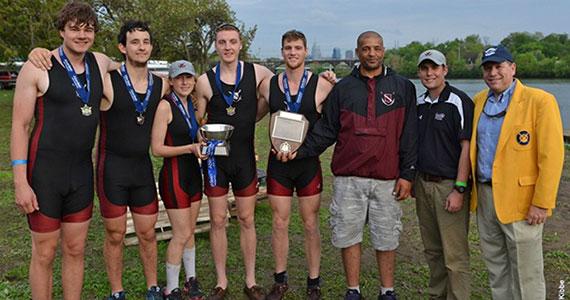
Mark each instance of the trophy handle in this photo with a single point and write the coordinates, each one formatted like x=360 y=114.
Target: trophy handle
x=201 y=135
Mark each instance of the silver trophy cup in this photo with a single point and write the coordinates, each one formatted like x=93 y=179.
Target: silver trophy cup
x=220 y=132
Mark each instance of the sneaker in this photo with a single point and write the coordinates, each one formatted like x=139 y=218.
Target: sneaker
x=175 y=294
x=218 y=293
x=254 y=293
x=192 y=288
x=314 y=293
x=118 y=296
x=154 y=293
x=352 y=295
x=277 y=291
x=390 y=295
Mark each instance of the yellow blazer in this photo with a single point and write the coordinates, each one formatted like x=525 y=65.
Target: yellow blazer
x=529 y=157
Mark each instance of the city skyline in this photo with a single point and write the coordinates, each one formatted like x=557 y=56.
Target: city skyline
x=337 y=23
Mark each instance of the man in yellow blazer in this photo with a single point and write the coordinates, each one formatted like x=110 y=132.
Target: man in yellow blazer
x=517 y=153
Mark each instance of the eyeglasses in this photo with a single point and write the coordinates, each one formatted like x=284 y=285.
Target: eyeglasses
x=497 y=115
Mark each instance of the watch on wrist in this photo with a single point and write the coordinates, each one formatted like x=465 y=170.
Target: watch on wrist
x=460 y=189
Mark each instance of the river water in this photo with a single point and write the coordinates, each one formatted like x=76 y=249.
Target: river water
x=560 y=88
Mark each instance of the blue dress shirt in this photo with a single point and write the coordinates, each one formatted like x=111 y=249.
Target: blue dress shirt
x=489 y=129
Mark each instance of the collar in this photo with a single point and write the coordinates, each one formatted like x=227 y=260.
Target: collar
x=507 y=94
x=443 y=96
x=385 y=72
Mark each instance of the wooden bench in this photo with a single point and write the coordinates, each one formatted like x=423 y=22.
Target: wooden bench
x=163 y=228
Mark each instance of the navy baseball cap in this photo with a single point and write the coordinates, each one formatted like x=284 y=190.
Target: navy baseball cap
x=496 y=54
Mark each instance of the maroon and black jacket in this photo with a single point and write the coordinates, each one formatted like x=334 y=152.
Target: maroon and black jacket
x=374 y=124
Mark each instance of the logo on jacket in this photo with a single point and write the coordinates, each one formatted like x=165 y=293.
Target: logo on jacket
x=439 y=116
x=388 y=99
x=523 y=137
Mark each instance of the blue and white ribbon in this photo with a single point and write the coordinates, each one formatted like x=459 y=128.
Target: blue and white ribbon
x=210 y=151
x=228 y=98
x=188 y=115
x=294 y=106
x=81 y=91
x=140 y=106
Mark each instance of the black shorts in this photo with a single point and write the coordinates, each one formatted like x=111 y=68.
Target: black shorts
x=63 y=184
x=302 y=175
x=125 y=181
x=241 y=173
x=180 y=181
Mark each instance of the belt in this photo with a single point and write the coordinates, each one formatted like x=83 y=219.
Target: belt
x=432 y=178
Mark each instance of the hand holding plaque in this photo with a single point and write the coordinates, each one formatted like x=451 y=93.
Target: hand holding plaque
x=287 y=131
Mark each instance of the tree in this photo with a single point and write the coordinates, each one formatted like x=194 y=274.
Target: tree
x=181 y=29
x=521 y=42
x=27 y=24
x=210 y=15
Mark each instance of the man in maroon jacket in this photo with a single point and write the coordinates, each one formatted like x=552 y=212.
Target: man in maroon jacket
x=373 y=161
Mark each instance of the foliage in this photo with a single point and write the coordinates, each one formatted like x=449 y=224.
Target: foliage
x=536 y=55
x=186 y=32
x=182 y=29
x=27 y=24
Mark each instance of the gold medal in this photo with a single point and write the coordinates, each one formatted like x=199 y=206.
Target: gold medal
x=86 y=110
x=140 y=119
x=230 y=111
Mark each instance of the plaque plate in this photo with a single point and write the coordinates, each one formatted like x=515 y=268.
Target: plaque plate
x=288 y=131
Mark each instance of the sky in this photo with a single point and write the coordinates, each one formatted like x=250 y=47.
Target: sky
x=335 y=23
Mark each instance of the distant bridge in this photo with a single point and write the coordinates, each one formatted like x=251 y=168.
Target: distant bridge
x=273 y=64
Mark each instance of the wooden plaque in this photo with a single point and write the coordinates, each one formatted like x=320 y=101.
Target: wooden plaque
x=287 y=131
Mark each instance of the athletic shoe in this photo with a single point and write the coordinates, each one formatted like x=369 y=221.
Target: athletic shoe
x=218 y=293
x=390 y=295
x=352 y=295
x=277 y=291
x=154 y=293
x=254 y=293
x=175 y=294
x=192 y=288
x=314 y=292
x=118 y=296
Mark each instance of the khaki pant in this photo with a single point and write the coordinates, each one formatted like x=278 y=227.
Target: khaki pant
x=512 y=252
x=444 y=236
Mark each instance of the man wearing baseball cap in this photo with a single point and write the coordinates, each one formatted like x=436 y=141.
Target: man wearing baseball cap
x=517 y=154
x=445 y=116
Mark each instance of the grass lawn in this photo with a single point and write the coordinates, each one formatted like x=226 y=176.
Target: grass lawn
x=411 y=270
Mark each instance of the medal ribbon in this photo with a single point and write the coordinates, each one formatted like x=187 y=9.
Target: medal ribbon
x=294 y=106
x=189 y=117
x=228 y=98
x=140 y=106
x=210 y=150
x=80 y=90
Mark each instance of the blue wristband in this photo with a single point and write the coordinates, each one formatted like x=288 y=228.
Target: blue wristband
x=16 y=162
